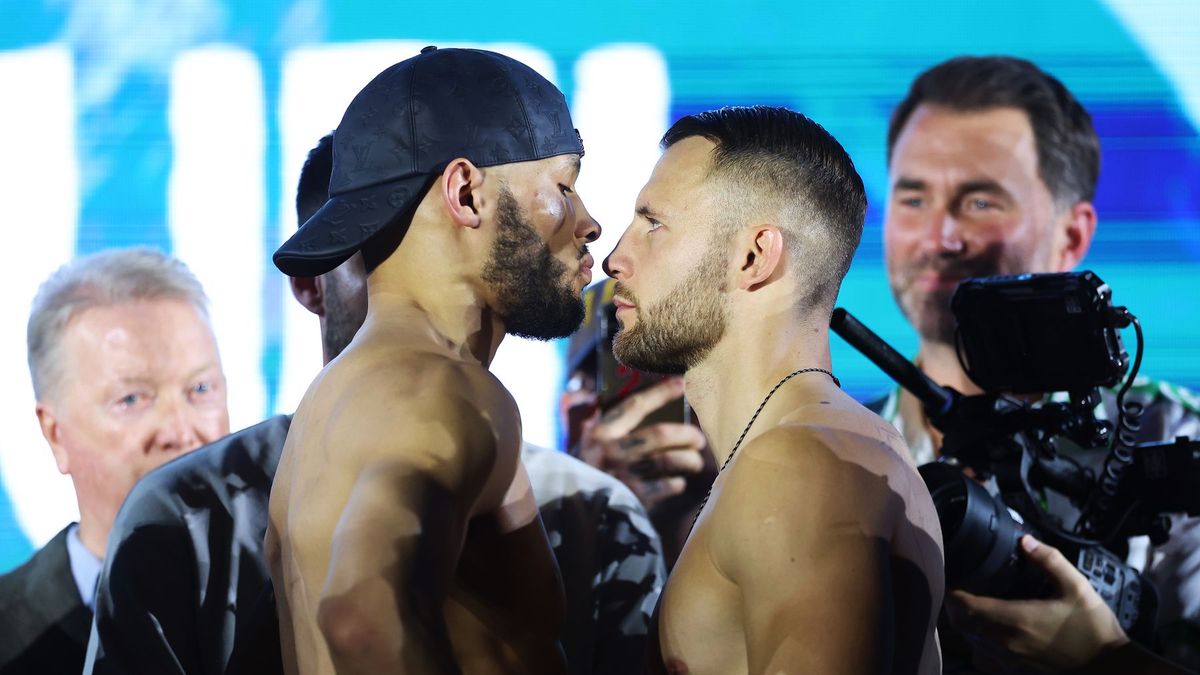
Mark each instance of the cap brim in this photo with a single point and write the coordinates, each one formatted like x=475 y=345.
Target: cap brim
x=345 y=223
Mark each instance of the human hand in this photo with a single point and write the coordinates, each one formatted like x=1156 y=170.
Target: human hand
x=1057 y=634
x=652 y=461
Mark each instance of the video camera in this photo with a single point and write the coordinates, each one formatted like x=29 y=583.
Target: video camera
x=1027 y=340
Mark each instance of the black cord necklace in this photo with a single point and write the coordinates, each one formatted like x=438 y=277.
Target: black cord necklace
x=747 y=430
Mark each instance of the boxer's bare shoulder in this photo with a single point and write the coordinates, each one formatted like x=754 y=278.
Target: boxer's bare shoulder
x=820 y=552
x=396 y=447
x=422 y=406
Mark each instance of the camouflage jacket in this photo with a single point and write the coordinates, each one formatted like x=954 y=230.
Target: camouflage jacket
x=610 y=557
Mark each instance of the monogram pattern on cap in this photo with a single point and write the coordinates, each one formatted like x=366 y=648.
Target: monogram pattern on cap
x=472 y=136
x=362 y=152
x=476 y=104
x=399 y=197
x=535 y=88
x=556 y=122
x=497 y=154
x=363 y=203
x=369 y=228
x=516 y=127
x=367 y=119
x=344 y=208
x=498 y=87
x=401 y=150
x=424 y=142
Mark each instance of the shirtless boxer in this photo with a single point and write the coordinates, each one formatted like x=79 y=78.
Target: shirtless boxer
x=403 y=536
x=818 y=550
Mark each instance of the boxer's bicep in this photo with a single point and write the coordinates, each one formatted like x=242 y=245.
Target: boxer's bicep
x=393 y=554
x=398 y=539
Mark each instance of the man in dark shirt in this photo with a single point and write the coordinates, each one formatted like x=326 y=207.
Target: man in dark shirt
x=186 y=590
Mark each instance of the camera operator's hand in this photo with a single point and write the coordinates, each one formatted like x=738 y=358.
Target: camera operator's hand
x=1074 y=631
x=1056 y=634
x=654 y=460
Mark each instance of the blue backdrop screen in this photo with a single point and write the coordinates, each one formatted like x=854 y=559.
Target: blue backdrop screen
x=182 y=124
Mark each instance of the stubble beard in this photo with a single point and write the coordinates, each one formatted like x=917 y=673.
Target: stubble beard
x=678 y=332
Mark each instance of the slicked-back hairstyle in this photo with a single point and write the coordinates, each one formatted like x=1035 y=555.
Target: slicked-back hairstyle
x=103 y=279
x=776 y=160
x=1067 y=147
x=313 y=189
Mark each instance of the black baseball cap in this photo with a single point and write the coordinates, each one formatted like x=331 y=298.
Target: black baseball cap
x=406 y=125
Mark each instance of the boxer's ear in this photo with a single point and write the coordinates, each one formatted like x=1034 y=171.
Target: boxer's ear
x=459 y=187
x=310 y=292
x=760 y=256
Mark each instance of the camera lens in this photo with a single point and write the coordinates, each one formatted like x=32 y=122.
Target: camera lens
x=980 y=537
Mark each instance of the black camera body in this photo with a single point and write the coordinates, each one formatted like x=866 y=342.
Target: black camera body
x=1041 y=334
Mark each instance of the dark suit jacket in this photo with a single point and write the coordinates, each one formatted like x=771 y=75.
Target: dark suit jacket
x=44 y=624
x=185 y=578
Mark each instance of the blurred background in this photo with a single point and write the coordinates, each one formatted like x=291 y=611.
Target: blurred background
x=182 y=124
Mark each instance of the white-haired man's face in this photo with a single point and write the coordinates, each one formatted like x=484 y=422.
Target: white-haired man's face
x=141 y=383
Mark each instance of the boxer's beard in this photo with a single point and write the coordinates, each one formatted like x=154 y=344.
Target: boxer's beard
x=535 y=290
x=678 y=332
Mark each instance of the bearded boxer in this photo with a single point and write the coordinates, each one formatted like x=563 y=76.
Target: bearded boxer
x=402 y=535
x=818 y=550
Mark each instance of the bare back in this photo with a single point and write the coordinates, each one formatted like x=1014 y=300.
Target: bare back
x=819 y=551
x=400 y=483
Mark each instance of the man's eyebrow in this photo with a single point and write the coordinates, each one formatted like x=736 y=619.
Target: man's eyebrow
x=197 y=372
x=576 y=164
x=134 y=381
x=905 y=183
x=981 y=185
x=648 y=213
x=149 y=380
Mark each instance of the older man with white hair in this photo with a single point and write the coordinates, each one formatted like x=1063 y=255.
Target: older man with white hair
x=127 y=376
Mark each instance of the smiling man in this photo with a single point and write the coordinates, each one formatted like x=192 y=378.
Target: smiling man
x=993 y=166
x=403 y=535
x=127 y=376
x=818 y=550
